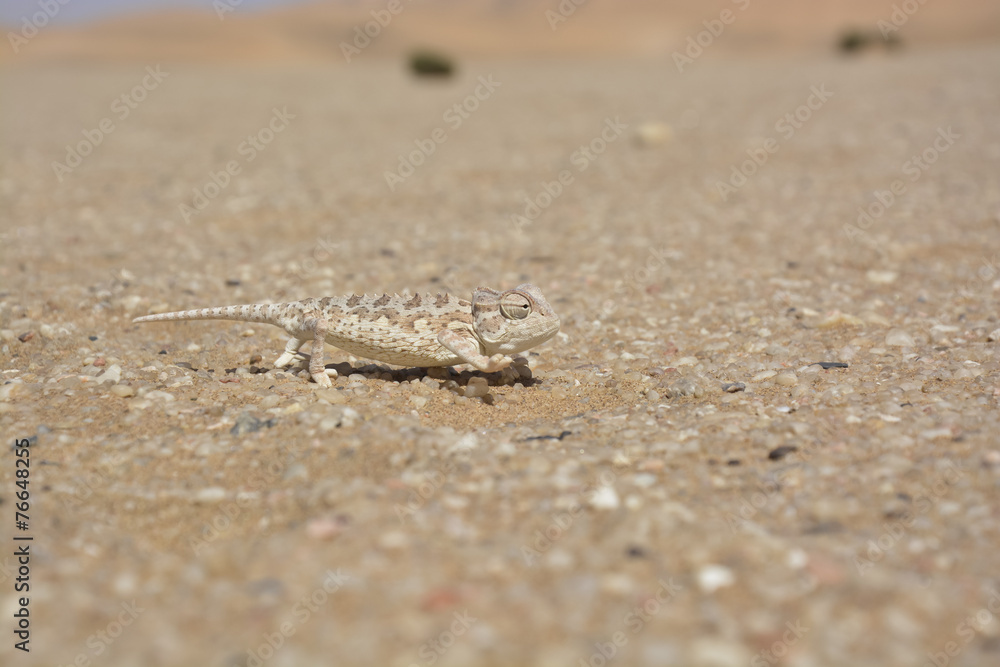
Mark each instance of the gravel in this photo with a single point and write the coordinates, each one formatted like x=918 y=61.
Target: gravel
x=691 y=330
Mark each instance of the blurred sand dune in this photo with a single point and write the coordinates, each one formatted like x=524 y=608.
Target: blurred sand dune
x=499 y=28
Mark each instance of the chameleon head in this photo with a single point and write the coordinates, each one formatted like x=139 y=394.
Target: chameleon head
x=513 y=321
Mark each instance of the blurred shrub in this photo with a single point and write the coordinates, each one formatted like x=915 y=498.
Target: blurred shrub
x=429 y=63
x=854 y=40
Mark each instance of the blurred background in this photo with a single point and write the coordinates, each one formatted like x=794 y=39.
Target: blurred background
x=283 y=31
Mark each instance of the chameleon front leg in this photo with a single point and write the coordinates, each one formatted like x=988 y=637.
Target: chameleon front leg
x=468 y=350
x=317 y=370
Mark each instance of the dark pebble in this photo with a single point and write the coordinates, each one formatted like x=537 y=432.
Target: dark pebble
x=549 y=437
x=232 y=282
x=91 y=338
x=733 y=462
x=829 y=364
x=779 y=453
x=26 y=336
x=247 y=423
x=635 y=552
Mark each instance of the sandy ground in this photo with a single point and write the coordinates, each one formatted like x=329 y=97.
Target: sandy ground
x=187 y=509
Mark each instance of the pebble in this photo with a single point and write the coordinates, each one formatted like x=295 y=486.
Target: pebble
x=112 y=374
x=477 y=387
x=764 y=375
x=210 y=494
x=247 y=423
x=786 y=379
x=605 y=498
x=779 y=453
x=733 y=387
x=323 y=529
x=899 y=338
x=712 y=577
x=123 y=390
x=653 y=134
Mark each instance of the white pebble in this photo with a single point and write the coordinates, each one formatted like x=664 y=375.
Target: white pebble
x=605 y=498
x=713 y=577
x=899 y=338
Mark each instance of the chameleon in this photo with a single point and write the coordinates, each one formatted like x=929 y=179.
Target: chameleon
x=419 y=330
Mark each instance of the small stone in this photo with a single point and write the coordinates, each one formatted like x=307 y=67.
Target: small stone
x=713 y=577
x=393 y=540
x=899 y=338
x=786 y=379
x=653 y=134
x=733 y=387
x=323 y=529
x=994 y=336
x=100 y=362
x=477 y=387
x=991 y=459
x=26 y=336
x=779 y=453
x=210 y=494
x=652 y=396
x=881 y=277
x=157 y=395
x=418 y=402
x=123 y=390
x=332 y=396
x=605 y=498
x=764 y=375
x=269 y=402
x=112 y=374
x=247 y=423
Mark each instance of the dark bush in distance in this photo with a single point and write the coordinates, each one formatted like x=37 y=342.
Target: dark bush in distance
x=428 y=63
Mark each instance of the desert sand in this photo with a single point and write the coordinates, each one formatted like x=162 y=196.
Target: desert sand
x=680 y=481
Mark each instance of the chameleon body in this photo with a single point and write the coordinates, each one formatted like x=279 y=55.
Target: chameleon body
x=420 y=330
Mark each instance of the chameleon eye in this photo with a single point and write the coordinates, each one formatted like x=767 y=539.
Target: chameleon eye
x=515 y=307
